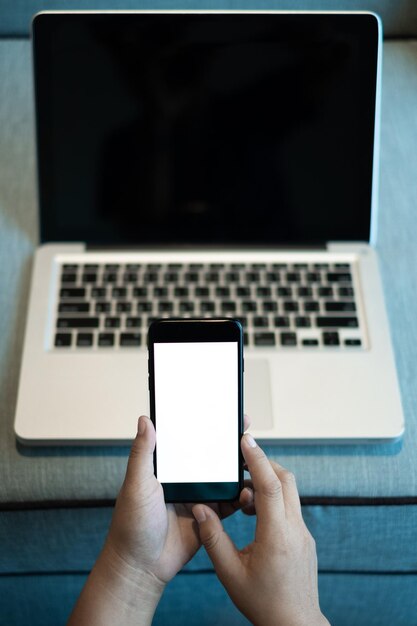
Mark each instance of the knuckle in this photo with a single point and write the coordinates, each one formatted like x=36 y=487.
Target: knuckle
x=287 y=477
x=271 y=488
x=211 y=541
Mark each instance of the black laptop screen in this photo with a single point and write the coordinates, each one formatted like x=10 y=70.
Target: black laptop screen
x=224 y=129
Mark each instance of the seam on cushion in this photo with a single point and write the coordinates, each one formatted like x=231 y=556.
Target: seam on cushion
x=305 y=501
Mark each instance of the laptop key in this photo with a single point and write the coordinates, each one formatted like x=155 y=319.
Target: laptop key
x=207 y=306
x=313 y=277
x=165 y=307
x=72 y=292
x=78 y=322
x=130 y=339
x=211 y=277
x=345 y=292
x=339 y=277
x=243 y=292
x=340 y=306
x=133 y=322
x=273 y=277
x=70 y=267
x=63 y=340
x=119 y=292
x=291 y=306
x=305 y=292
x=123 y=307
x=105 y=340
x=302 y=321
x=68 y=278
x=270 y=306
x=160 y=292
x=284 y=292
x=281 y=321
x=111 y=277
x=249 y=307
x=130 y=277
x=186 y=307
x=150 y=277
x=228 y=307
x=171 y=277
x=98 y=292
x=293 y=277
x=191 y=277
x=260 y=321
x=112 y=322
x=310 y=342
x=264 y=339
x=103 y=307
x=223 y=292
x=331 y=339
x=74 y=307
x=144 y=307
x=202 y=292
x=325 y=292
x=181 y=292
x=263 y=292
x=252 y=277
x=353 y=342
x=84 y=340
x=89 y=278
x=288 y=339
x=111 y=267
x=140 y=292
x=311 y=306
x=337 y=322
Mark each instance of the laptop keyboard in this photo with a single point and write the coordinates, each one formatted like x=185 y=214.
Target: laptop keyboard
x=284 y=305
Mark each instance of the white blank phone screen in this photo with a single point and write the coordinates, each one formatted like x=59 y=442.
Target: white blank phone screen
x=196 y=410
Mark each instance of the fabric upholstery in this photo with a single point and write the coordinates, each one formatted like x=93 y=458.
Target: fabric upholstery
x=399 y=16
x=88 y=475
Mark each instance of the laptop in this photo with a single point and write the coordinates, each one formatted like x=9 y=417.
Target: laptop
x=208 y=164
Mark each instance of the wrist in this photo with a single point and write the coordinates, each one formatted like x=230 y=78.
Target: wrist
x=135 y=590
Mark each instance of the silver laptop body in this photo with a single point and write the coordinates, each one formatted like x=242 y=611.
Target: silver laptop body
x=319 y=365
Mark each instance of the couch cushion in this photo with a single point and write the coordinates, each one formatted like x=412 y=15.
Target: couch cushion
x=399 y=16
x=200 y=600
x=349 y=538
x=92 y=475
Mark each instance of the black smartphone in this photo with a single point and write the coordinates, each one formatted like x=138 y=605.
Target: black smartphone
x=196 y=404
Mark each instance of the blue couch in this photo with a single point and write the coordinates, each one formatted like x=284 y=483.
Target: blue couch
x=359 y=502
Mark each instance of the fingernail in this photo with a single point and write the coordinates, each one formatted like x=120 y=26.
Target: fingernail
x=141 y=425
x=250 y=440
x=200 y=515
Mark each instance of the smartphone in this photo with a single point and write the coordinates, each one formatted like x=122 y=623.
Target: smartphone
x=196 y=405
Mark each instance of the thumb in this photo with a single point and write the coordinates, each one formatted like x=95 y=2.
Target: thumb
x=140 y=465
x=220 y=548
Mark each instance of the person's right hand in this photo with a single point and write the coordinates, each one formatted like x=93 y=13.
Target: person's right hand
x=273 y=580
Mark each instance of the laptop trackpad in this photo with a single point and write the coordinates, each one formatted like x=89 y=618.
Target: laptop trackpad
x=257 y=393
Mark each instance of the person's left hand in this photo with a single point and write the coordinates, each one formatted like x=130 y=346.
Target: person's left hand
x=146 y=533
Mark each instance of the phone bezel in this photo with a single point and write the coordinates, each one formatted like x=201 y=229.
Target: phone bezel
x=174 y=330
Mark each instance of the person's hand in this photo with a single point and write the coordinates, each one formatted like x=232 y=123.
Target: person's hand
x=148 y=543
x=273 y=580
x=148 y=534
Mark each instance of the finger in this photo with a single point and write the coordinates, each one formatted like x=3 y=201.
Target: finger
x=140 y=465
x=289 y=489
x=269 y=499
x=220 y=548
x=246 y=422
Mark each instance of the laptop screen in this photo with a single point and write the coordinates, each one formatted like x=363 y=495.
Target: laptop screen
x=221 y=129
